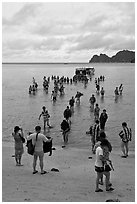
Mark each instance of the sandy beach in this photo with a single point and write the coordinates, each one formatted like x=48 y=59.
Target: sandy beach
x=75 y=181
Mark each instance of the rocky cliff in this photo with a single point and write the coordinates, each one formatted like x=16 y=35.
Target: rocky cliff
x=124 y=56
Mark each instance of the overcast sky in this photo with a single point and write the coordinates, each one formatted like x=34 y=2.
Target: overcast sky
x=65 y=32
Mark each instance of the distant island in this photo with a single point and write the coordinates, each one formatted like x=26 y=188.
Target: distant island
x=124 y=56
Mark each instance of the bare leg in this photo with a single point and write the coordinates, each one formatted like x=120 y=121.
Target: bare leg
x=48 y=123
x=101 y=180
x=20 y=156
x=34 y=162
x=97 y=180
x=16 y=159
x=41 y=163
x=107 y=174
x=66 y=137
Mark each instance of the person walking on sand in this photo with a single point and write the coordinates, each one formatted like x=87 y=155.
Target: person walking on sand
x=106 y=151
x=19 y=140
x=46 y=117
x=96 y=112
x=126 y=136
x=37 y=140
x=99 y=167
x=103 y=119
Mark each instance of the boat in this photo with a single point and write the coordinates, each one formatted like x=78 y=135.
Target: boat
x=85 y=71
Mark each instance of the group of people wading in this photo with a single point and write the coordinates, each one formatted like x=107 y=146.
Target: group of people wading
x=99 y=142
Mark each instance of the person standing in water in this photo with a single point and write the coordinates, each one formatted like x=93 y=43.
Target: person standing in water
x=92 y=101
x=71 y=103
x=78 y=95
x=19 y=150
x=102 y=92
x=67 y=115
x=116 y=91
x=95 y=134
x=103 y=119
x=46 y=117
x=121 y=89
x=30 y=89
x=54 y=96
x=96 y=112
x=98 y=88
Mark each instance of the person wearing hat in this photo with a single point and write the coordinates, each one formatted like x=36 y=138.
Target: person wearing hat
x=19 y=150
x=103 y=119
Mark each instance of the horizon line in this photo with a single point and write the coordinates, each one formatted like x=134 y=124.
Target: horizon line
x=44 y=62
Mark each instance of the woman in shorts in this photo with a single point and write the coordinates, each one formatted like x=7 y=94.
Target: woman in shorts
x=99 y=167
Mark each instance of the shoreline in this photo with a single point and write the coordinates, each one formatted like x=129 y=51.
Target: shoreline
x=75 y=181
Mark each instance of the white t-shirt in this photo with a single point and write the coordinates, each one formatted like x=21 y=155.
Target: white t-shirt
x=39 y=143
x=99 y=152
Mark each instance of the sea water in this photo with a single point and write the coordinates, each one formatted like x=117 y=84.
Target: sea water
x=23 y=109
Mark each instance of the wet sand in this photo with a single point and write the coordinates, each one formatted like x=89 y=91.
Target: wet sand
x=75 y=181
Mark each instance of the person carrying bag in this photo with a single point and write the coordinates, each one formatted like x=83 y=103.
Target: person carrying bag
x=37 y=151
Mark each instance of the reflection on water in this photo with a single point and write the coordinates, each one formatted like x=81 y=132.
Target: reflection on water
x=102 y=99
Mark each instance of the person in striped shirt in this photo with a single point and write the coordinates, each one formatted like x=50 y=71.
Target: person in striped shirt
x=125 y=136
x=46 y=117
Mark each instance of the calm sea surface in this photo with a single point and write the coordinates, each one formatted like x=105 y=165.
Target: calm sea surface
x=20 y=108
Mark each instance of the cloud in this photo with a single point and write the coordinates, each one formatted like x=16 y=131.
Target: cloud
x=28 y=12
x=107 y=31
x=103 y=41
x=69 y=28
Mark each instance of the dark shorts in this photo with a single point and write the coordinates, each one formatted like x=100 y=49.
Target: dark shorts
x=99 y=169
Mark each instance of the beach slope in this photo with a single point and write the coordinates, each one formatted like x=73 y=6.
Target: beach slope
x=75 y=181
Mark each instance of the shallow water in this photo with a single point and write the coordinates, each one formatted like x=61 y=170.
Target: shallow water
x=20 y=108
